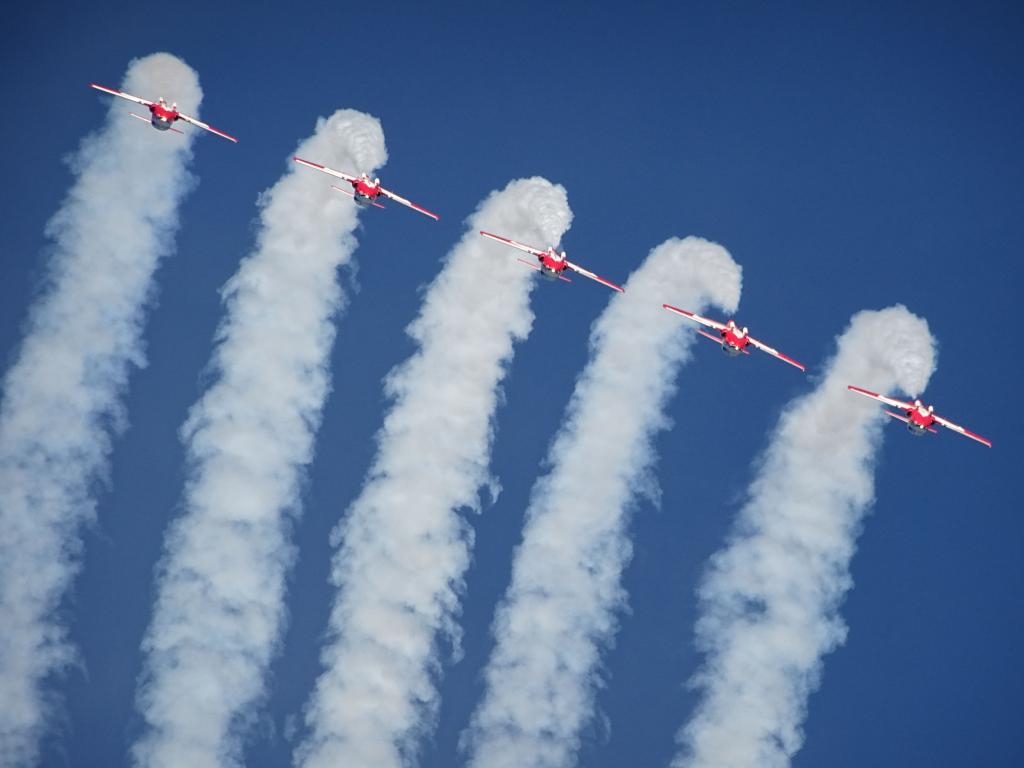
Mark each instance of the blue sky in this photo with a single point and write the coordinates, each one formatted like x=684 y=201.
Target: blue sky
x=847 y=159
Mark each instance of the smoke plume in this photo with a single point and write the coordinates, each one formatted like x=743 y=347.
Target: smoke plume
x=560 y=612
x=220 y=610
x=404 y=544
x=769 y=603
x=63 y=394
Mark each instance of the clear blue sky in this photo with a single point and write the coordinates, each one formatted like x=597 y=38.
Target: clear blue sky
x=848 y=159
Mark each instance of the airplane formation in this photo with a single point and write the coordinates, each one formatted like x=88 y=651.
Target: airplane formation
x=552 y=263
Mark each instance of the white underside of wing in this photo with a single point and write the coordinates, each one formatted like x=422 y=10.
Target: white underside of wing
x=882 y=398
x=513 y=243
x=695 y=317
x=121 y=94
x=325 y=169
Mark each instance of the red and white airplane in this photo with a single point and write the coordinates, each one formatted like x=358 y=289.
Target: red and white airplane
x=552 y=263
x=733 y=339
x=918 y=418
x=162 y=116
x=365 y=190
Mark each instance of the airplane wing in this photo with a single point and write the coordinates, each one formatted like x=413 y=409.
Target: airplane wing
x=513 y=243
x=325 y=169
x=408 y=203
x=882 y=398
x=965 y=432
x=774 y=352
x=122 y=94
x=205 y=127
x=696 y=318
x=587 y=273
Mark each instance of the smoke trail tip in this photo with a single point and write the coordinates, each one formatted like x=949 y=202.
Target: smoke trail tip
x=537 y=203
x=163 y=75
x=705 y=265
x=349 y=140
x=902 y=347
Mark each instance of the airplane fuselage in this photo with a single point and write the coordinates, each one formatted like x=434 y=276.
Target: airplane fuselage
x=161 y=117
x=551 y=265
x=733 y=342
x=919 y=420
x=365 y=193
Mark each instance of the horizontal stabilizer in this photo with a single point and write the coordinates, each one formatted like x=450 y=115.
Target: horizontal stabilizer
x=147 y=120
x=531 y=265
x=706 y=335
x=352 y=195
x=905 y=420
x=719 y=340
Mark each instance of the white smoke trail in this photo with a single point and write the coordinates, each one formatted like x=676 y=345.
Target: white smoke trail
x=770 y=601
x=62 y=396
x=405 y=546
x=220 y=607
x=559 y=613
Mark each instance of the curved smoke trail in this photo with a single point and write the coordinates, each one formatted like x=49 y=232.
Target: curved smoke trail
x=405 y=545
x=559 y=613
x=220 y=606
x=62 y=397
x=770 y=601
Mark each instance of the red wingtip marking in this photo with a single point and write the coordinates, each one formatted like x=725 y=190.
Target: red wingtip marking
x=677 y=310
x=979 y=438
x=791 y=361
x=425 y=212
x=862 y=391
x=223 y=135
